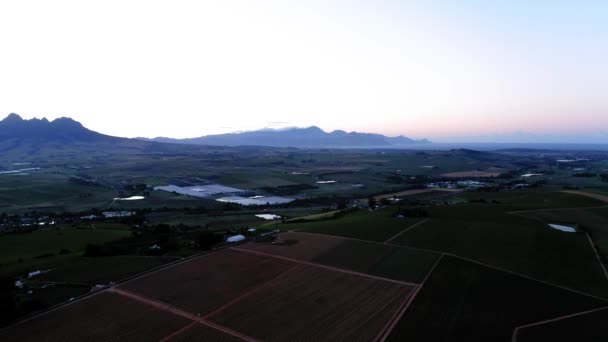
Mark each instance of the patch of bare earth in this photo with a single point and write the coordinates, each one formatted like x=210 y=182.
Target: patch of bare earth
x=294 y=245
x=472 y=174
x=310 y=303
x=206 y=283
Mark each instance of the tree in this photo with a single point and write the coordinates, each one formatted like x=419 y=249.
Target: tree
x=207 y=239
x=371 y=202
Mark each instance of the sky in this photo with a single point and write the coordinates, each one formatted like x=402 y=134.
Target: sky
x=453 y=70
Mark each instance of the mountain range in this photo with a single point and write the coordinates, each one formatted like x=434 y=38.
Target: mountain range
x=15 y=129
x=62 y=130
x=296 y=137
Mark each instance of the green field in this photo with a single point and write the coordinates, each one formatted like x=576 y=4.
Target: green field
x=20 y=252
x=530 y=199
x=102 y=270
x=484 y=232
x=49 y=192
x=363 y=224
x=407 y=264
x=590 y=327
x=399 y=263
x=464 y=301
x=593 y=221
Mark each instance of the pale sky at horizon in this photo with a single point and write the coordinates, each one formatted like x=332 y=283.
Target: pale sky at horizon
x=443 y=70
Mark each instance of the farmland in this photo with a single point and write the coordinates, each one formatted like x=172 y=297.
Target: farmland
x=296 y=245
x=401 y=263
x=341 y=267
x=323 y=305
x=388 y=261
x=486 y=233
x=199 y=290
x=587 y=326
x=465 y=301
x=49 y=246
x=475 y=174
x=374 y=226
x=102 y=317
x=102 y=270
x=202 y=333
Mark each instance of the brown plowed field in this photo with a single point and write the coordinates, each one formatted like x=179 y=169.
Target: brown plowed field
x=306 y=247
x=102 y=317
x=308 y=303
x=206 y=283
x=202 y=333
x=475 y=174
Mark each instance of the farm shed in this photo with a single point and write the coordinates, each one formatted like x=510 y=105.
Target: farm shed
x=235 y=238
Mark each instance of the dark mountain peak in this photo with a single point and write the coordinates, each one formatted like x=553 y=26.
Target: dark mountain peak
x=67 y=122
x=12 y=117
x=311 y=129
x=312 y=136
x=13 y=127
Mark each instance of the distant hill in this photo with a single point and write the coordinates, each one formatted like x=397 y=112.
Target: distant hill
x=296 y=137
x=39 y=131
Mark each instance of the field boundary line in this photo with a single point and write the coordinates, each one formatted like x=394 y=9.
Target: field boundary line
x=599 y=197
x=419 y=223
x=556 y=319
x=368 y=241
x=331 y=268
x=597 y=255
x=390 y=325
x=515 y=212
x=178 y=331
x=247 y=294
x=179 y=312
x=107 y=287
x=528 y=277
x=471 y=260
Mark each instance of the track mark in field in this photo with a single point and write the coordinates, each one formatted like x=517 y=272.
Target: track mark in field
x=166 y=307
x=528 y=277
x=406 y=229
x=178 y=331
x=474 y=261
x=331 y=268
x=516 y=331
x=246 y=294
x=373 y=242
x=390 y=325
x=597 y=255
x=599 y=197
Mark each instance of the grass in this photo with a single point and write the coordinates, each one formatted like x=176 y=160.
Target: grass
x=20 y=252
x=464 y=301
x=373 y=226
x=102 y=270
